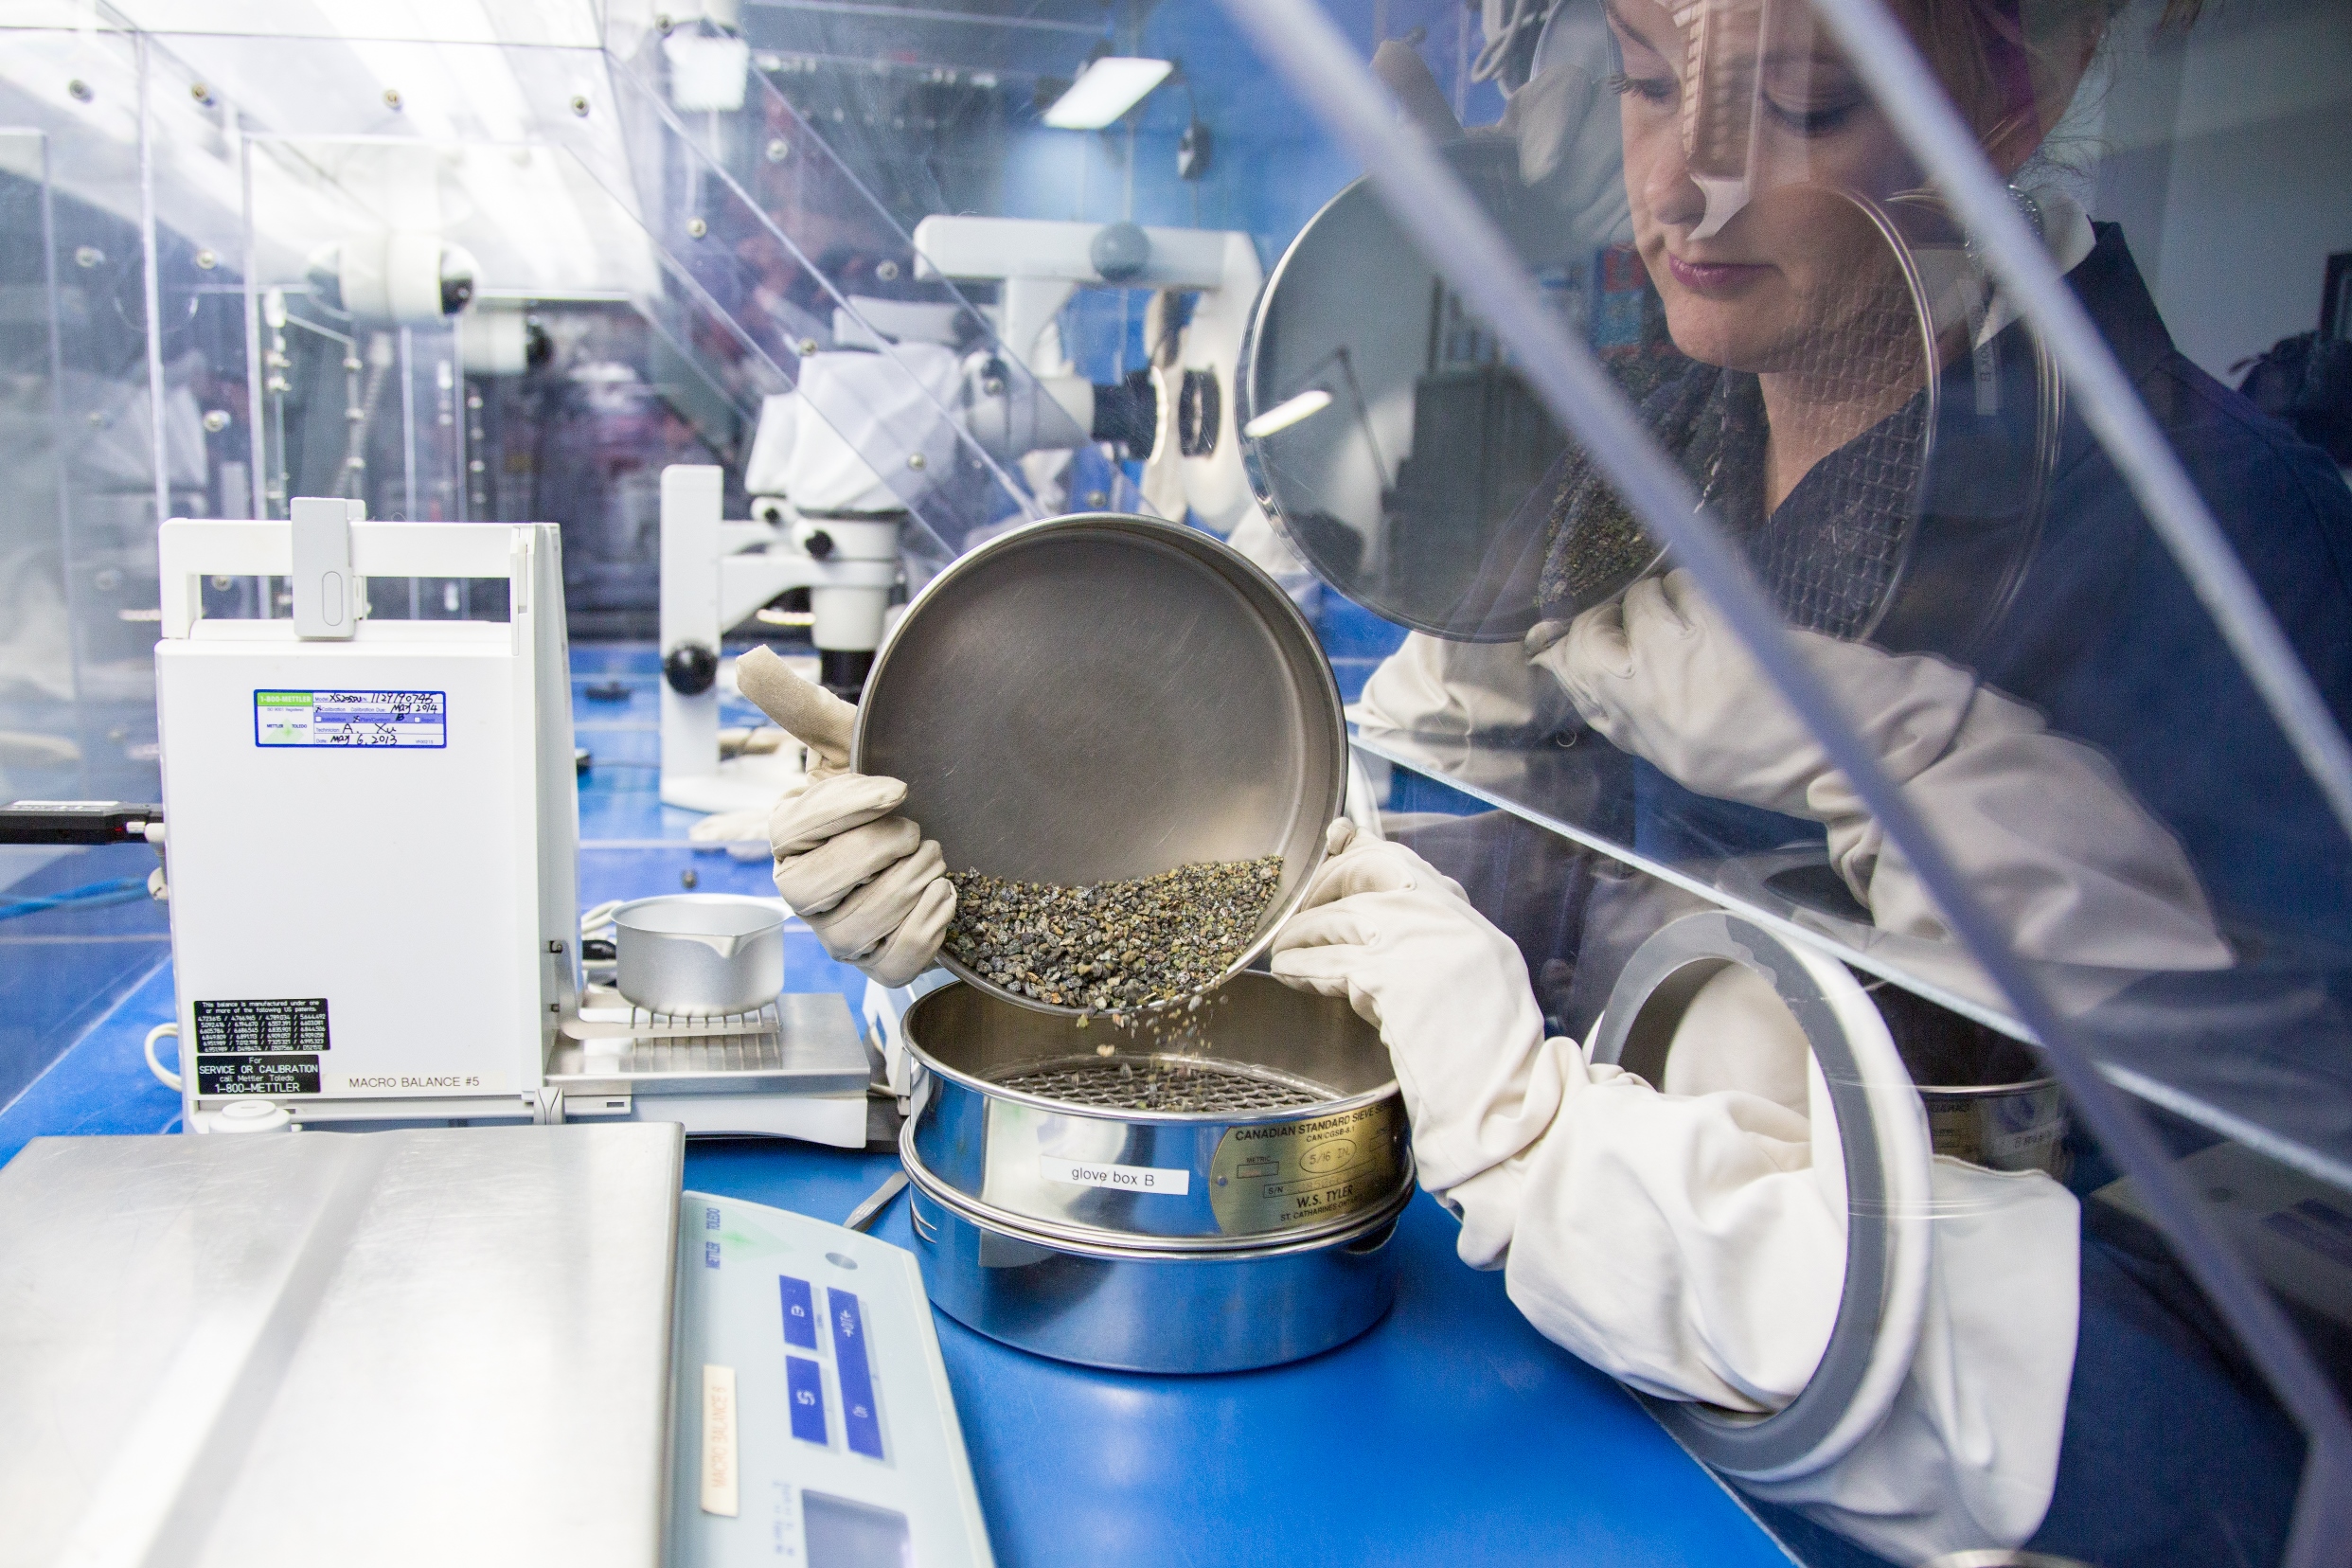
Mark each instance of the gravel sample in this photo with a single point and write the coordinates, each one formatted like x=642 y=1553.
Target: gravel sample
x=1603 y=550
x=1116 y=946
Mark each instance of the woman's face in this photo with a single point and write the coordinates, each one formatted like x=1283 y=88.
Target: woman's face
x=1770 y=290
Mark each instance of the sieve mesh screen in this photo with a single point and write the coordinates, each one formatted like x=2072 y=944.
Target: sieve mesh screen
x=1161 y=1083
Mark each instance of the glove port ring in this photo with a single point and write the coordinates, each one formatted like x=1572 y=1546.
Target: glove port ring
x=1882 y=1132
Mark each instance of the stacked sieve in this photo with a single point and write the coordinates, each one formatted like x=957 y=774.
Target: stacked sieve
x=1199 y=1187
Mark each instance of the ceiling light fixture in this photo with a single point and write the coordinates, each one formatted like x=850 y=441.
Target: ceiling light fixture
x=1108 y=88
x=1282 y=416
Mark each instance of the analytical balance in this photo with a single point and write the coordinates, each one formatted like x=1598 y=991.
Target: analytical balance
x=371 y=854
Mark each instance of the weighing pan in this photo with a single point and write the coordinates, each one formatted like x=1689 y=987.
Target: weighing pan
x=699 y=955
x=1100 y=697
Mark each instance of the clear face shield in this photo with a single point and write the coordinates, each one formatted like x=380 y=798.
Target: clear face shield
x=1661 y=160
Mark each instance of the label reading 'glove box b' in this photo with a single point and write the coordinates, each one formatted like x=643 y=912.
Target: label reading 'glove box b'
x=1119 y=1178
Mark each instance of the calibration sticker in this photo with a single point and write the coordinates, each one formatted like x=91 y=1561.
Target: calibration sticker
x=407 y=719
x=1296 y=1173
x=260 y=1046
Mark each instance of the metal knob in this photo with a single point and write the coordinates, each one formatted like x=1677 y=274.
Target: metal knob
x=690 y=668
x=1119 y=251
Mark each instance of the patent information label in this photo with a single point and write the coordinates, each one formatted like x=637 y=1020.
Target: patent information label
x=404 y=718
x=269 y=1023
x=262 y=1045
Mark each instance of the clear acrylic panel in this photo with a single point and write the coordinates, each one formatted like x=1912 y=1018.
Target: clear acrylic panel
x=79 y=429
x=1944 y=502
x=840 y=253
x=92 y=460
x=1970 y=517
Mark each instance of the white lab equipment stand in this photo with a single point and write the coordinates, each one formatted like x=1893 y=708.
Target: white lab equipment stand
x=1040 y=263
x=715 y=574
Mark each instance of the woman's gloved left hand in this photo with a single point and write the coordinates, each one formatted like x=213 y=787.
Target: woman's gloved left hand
x=1509 y=1126
x=871 y=887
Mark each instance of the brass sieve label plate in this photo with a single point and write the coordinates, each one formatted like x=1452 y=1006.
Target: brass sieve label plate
x=1286 y=1174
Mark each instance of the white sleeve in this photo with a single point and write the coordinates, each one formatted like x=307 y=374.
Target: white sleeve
x=2048 y=835
x=1966 y=1457
x=1433 y=688
x=1691 y=1241
x=2075 y=870
x=1691 y=1246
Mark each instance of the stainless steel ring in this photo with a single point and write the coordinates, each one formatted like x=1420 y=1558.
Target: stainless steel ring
x=1125 y=1309
x=1135 y=1243
x=1292 y=1123
x=1095 y=1243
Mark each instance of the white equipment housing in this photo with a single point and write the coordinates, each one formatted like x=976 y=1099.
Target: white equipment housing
x=372 y=840
x=715 y=574
x=372 y=825
x=1041 y=264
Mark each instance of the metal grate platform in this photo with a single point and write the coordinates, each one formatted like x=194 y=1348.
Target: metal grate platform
x=1160 y=1084
x=801 y=1044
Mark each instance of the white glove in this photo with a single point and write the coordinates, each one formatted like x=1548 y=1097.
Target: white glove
x=1433 y=688
x=1719 y=1285
x=1383 y=928
x=2043 y=828
x=1692 y=1241
x=868 y=883
x=1660 y=674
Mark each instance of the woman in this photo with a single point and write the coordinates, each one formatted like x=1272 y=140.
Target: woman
x=1687 y=1235
x=2070 y=605
x=2090 y=767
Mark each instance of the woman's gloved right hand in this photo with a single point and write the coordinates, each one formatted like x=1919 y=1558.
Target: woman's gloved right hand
x=1449 y=992
x=864 y=878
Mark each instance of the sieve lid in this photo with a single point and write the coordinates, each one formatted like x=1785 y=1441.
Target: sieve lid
x=1100 y=698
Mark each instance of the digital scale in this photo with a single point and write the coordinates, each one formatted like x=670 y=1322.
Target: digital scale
x=372 y=859
x=473 y=1347
x=813 y=1420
